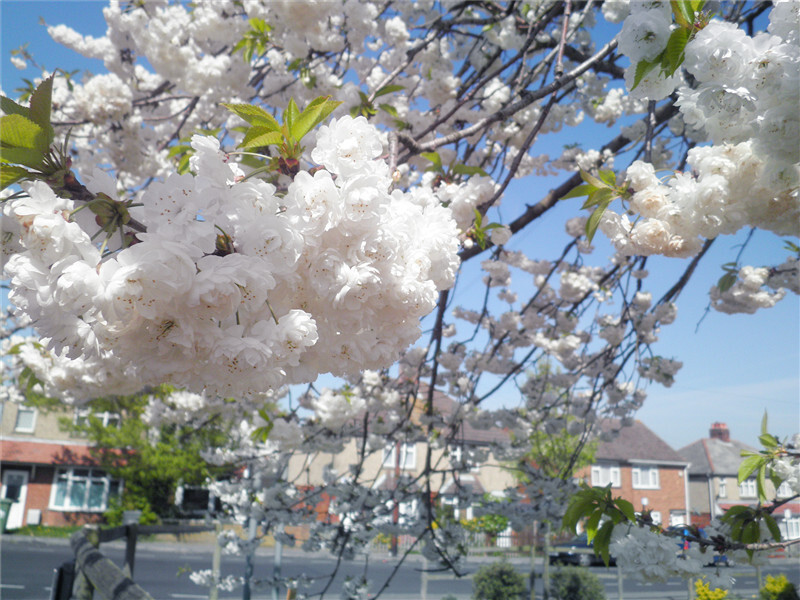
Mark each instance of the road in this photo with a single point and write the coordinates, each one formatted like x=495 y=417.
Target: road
x=26 y=567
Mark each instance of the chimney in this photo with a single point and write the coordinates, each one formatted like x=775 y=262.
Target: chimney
x=719 y=431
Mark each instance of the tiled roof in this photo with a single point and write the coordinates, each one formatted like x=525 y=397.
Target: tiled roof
x=41 y=453
x=448 y=408
x=713 y=456
x=635 y=443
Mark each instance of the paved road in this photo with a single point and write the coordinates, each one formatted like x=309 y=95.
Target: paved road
x=26 y=567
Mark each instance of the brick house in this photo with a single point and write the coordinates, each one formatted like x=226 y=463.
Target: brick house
x=714 y=485
x=643 y=469
x=49 y=474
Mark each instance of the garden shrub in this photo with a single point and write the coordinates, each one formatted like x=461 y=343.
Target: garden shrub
x=778 y=588
x=703 y=591
x=576 y=583
x=498 y=581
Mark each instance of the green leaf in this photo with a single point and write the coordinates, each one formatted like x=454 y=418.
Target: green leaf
x=576 y=510
x=761 y=478
x=750 y=533
x=435 y=159
x=726 y=282
x=582 y=190
x=388 y=89
x=593 y=221
x=389 y=109
x=12 y=108
x=316 y=112
x=764 y=423
x=768 y=440
x=773 y=527
x=591 y=179
x=608 y=176
x=749 y=464
x=600 y=197
x=673 y=54
x=259 y=136
x=643 y=67
x=460 y=169
x=41 y=102
x=290 y=114
x=22 y=156
x=591 y=524
x=602 y=541
x=255 y=115
x=17 y=131
x=626 y=508
x=10 y=174
x=679 y=10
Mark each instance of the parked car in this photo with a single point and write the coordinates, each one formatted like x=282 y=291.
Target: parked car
x=681 y=532
x=577 y=551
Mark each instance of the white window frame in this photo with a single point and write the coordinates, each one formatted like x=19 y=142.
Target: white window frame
x=408 y=456
x=645 y=477
x=656 y=517
x=20 y=409
x=71 y=478
x=722 y=488
x=747 y=489
x=784 y=491
x=81 y=416
x=605 y=473
x=457 y=452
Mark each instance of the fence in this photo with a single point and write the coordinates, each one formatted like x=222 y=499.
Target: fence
x=91 y=571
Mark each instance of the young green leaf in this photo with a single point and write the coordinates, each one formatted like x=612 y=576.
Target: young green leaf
x=388 y=89
x=582 y=190
x=460 y=169
x=643 y=67
x=258 y=136
x=601 y=197
x=592 y=180
x=255 y=115
x=10 y=174
x=17 y=131
x=602 y=541
x=673 y=54
x=41 y=102
x=316 y=112
x=12 y=108
x=290 y=114
x=773 y=527
x=594 y=221
x=435 y=159
x=750 y=464
x=626 y=508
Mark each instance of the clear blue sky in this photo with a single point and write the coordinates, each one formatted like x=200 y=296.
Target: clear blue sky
x=735 y=366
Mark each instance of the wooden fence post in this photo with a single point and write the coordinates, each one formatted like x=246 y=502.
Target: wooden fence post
x=131 y=533
x=216 y=559
x=83 y=589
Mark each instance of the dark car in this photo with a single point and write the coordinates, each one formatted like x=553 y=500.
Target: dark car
x=577 y=551
x=681 y=532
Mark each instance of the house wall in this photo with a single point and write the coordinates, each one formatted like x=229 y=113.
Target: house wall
x=668 y=497
x=46 y=424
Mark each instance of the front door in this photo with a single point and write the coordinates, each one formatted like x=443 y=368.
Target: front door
x=15 y=488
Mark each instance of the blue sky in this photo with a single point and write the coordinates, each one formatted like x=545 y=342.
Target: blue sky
x=735 y=366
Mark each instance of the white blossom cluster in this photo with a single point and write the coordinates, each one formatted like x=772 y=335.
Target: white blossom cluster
x=331 y=277
x=745 y=100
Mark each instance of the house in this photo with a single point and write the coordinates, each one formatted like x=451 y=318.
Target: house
x=464 y=465
x=643 y=469
x=714 y=485
x=48 y=473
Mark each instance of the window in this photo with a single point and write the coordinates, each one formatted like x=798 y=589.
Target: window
x=408 y=456
x=747 y=489
x=645 y=478
x=78 y=488
x=602 y=475
x=461 y=457
x=784 y=491
x=722 y=489
x=791 y=528
x=26 y=419
x=656 y=516
x=106 y=418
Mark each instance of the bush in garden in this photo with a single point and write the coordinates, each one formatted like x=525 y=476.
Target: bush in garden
x=576 y=583
x=498 y=581
x=778 y=588
x=703 y=591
